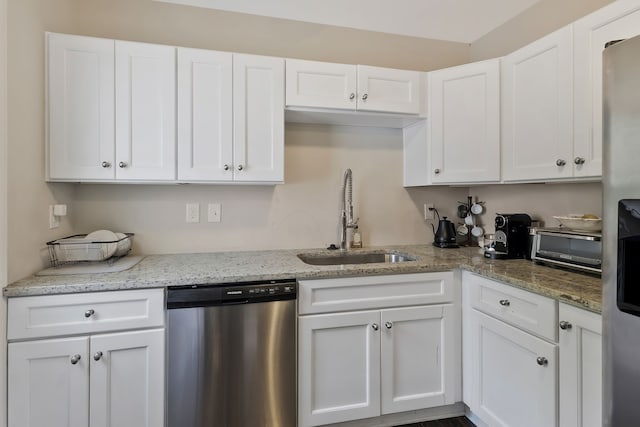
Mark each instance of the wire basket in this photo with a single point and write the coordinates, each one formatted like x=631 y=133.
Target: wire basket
x=77 y=249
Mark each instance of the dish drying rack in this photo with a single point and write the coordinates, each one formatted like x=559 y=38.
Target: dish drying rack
x=76 y=249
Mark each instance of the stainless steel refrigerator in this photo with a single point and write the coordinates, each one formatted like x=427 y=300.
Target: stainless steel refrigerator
x=621 y=234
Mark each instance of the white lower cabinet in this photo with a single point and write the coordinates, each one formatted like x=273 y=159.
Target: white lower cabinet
x=362 y=364
x=97 y=380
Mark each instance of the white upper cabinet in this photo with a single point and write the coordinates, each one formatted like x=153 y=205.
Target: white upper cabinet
x=352 y=87
x=464 y=123
x=145 y=111
x=258 y=118
x=537 y=110
x=205 y=116
x=80 y=111
x=618 y=20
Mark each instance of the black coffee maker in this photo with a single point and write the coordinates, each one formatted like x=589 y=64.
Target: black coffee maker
x=511 y=237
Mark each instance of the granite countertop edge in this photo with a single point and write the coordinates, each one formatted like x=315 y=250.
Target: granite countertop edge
x=160 y=271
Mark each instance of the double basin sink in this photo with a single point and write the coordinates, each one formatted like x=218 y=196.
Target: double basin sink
x=342 y=258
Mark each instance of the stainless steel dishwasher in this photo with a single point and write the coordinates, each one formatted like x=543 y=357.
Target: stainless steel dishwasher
x=231 y=355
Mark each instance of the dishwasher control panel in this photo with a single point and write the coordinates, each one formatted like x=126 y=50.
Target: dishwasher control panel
x=257 y=291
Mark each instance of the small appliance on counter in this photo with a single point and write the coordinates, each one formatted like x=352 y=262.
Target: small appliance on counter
x=573 y=249
x=511 y=237
x=445 y=236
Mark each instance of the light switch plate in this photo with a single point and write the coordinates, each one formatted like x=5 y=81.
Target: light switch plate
x=213 y=212
x=193 y=212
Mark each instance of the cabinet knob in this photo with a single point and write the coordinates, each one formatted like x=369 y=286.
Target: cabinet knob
x=352 y=96
x=505 y=302
x=564 y=325
x=240 y=167
x=106 y=164
x=542 y=361
x=436 y=171
x=89 y=312
x=560 y=162
x=225 y=167
x=75 y=359
x=364 y=97
x=579 y=160
x=97 y=355
x=389 y=325
x=123 y=165
x=375 y=326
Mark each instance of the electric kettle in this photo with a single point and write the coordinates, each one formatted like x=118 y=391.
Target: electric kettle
x=445 y=236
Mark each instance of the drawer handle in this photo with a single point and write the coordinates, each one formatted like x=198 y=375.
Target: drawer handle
x=505 y=302
x=89 y=312
x=542 y=361
x=388 y=325
x=375 y=326
x=75 y=359
x=97 y=355
x=565 y=326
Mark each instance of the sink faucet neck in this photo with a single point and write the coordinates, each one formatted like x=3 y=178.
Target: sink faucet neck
x=346 y=216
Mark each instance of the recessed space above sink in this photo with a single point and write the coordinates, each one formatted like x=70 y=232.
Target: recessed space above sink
x=355 y=258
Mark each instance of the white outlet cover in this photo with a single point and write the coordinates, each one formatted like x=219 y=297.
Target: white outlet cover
x=193 y=212
x=214 y=212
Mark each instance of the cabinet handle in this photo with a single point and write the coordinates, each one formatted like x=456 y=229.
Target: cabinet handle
x=436 y=171
x=505 y=302
x=542 y=361
x=364 y=97
x=75 y=359
x=89 y=312
x=560 y=162
x=579 y=160
x=225 y=167
x=106 y=164
x=352 y=96
x=97 y=355
x=564 y=325
x=389 y=325
x=123 y=165
x=375 y=326
x=240 y=167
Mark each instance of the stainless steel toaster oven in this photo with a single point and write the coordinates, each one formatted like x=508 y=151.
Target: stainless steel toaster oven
x=579 y=250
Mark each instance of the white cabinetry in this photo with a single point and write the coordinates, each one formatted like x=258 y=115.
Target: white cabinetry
x=618 y=20
x=351 y=87
x=230 y=117
x=464 y=123
x=580 y=367
x=537 y=113
x=368 y=359
x=111 y=110
x=92 y=379
x=510 y=374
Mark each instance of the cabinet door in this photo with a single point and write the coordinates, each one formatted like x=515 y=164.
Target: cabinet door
x=320 y=84
x=80 y=107
x=205 y=121
x=258 y=116
x=510 y=384
x=127 y=379
x=464 y=113
x=388 y=90
x=580 y=368
x=537 y=110
x=45 y=386
x=420 y=367
x=338 y=367
x=145 y=111
x=619 y=20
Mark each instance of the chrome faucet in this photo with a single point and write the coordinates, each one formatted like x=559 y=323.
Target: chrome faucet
x=347 y=208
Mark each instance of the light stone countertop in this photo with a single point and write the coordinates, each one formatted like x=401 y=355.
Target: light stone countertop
x=157 y=271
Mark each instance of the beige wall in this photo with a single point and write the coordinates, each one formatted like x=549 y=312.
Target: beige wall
x=252 y=216
x=542 y=18
x=3 y=210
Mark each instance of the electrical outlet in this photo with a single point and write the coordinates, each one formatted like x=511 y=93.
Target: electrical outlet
x=429 y=211
x=193 y=212
x=54 y=221
x=213 y=212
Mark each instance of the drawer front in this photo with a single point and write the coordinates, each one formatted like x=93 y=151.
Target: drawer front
x=54 y=315
x=358 y=293
x=526 y=310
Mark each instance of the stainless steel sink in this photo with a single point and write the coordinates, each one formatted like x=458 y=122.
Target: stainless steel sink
x=354 y=258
